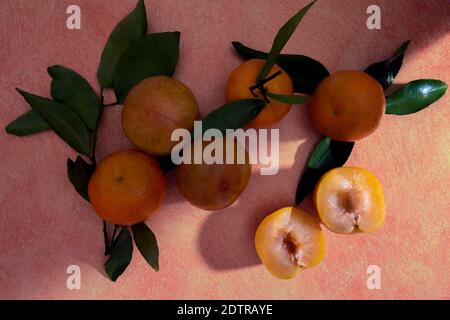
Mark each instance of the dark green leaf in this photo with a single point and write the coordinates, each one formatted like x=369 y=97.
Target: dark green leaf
x=79 y=173
x=73 y=91
x=386 y=71
x=329 y=154
x=126 y=33
x=415 y=96
x=289 y=99
x=281 y=39
x=146 y=243
x=166 y=163
x=28 y=123
x=155 y=54
x=233 y=115
x=120 y=255
x=305 y=72
x=62 y=120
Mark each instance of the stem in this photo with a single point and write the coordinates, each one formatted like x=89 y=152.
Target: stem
x=94 y=145
x=260 y=85
x=93 y=157
x=94 y=163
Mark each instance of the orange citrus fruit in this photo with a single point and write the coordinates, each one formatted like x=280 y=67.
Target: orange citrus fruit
x=347 y=105
x=127 y=187
x=244 y=77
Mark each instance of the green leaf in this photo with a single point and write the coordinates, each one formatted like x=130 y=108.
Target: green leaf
x=166 y=163
x=79 y=173
x=233 y=115
x=415 y=96
x=126 y=33
x=155 y=54
x=386 y=71
x=28 y=123
x=305 y=72
x=281 y=39
x=289 y=99
x=329 y=154
x=73 y=91
x=62 y=120
x=120 y=255
x=146 y=243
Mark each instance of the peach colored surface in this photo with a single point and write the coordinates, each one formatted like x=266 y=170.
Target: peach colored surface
x=45 y=226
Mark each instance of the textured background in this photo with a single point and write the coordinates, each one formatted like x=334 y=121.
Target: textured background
x=45 y=226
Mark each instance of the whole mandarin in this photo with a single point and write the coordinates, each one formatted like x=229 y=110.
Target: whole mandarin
x=244 y=77
x=347 y=105
x=127 y=187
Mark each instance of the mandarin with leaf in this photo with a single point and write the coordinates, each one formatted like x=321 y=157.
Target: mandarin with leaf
x=244 y=77
x=348 y=105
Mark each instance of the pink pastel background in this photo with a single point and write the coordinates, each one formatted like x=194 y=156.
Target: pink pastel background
x=45 y=226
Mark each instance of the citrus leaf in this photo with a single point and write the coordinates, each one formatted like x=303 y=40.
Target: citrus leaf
x=120 y=256
x=28 y=123
x=155 y=54
x=289 y=99
x=62 y=120
x=415 y=96
x=386 y=71
x=126 y=33
x=281 y=39
x=146 y=243
x=166 y=163
x=305 y=72
x=79 y=173
x=233 y=115
x=72 y=90
x=329 y=154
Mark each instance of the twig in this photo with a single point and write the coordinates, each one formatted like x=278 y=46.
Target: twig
x=260 y=85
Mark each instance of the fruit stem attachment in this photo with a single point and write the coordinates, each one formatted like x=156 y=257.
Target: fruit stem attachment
x=260 y=85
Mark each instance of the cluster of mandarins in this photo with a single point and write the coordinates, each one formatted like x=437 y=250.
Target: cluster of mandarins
x=128 y=186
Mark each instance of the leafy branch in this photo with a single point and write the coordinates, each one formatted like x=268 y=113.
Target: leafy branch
x=411 y=98
x=75 y=111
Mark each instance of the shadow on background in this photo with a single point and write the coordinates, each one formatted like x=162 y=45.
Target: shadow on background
x=226 y=239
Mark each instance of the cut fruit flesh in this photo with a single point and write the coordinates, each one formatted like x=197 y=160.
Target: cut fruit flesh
x=288 y=241
x=350 y=200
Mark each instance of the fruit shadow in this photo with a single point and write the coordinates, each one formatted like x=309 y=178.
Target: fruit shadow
x=226 y=238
